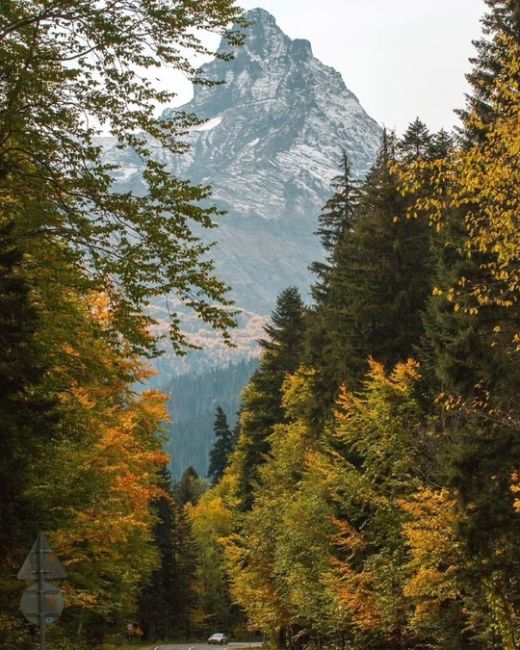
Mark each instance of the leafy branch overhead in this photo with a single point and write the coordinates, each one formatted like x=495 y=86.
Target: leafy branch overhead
x=70 y=68
x=80 y=264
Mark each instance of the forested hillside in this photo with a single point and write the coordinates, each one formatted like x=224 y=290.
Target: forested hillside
x=193 y=400
x=372 y=500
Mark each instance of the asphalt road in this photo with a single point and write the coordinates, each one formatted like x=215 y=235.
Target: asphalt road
x=234 y=645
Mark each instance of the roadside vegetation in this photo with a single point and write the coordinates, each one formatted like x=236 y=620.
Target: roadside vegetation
x=372 y=500
x=369 y=498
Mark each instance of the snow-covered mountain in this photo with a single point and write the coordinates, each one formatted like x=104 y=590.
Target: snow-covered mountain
x=272 y=143
x=275 y=128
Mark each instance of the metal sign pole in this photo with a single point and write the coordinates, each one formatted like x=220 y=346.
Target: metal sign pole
x=42 y=602
x=41 y=595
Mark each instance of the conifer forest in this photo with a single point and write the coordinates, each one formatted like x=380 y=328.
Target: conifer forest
x=365 y=495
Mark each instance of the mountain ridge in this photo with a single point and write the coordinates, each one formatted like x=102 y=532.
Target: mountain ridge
x=278 y=124
x=273 y=140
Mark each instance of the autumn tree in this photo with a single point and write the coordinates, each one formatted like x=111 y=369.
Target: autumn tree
x=432 y=580
x=376 y=454
x=82 y=263
x=90 y=483
x=472 y=321
x=417 y=473
x=212 y=522
x=278 y=584
x=66 y=67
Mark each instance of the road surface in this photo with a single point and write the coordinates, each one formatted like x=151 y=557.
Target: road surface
x=234 y=645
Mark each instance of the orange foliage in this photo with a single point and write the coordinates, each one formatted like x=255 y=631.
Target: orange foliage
x=355 y=589
x=515 y=489
x=104 y=473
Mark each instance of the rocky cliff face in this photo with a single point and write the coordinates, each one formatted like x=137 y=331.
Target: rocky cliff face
x=272 y=142
x=276 y=127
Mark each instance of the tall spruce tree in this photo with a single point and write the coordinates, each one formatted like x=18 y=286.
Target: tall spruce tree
x=261 y=399
x=223 y=447
x=190 y=488
x=167 y=600
x=336 y=223
x=415 y=143
x=336 y=219
x=501 y=24
x=378 y=281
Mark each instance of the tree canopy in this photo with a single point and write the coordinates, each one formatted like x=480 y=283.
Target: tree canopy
x=70 y=69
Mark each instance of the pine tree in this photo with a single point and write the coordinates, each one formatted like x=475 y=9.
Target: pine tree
x=167 y=600
x=337 y=215
x=415 y=142
x=222 y=449
x=472 y=324
x=390 y=287
x=378 y=282
x=261 y=398
x=190 y=488
x=336 y=219
x=336 y=224
x=501 y=23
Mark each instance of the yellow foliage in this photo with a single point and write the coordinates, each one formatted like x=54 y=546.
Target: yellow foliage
x=103 y=475
x=297 y=392
x=435 y=555
x=484 y=180
x=356 y=589
x=515 y=489
x=357 y=594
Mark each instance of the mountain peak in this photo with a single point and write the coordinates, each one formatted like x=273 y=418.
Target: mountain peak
x=259 y=16
x=264 y=38
x=278 y=106
x=277 y=124
x=302 y=47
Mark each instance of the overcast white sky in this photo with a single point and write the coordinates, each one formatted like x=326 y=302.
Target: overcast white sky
x=402 y=58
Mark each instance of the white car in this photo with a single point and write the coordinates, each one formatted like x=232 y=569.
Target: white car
x=218 y=639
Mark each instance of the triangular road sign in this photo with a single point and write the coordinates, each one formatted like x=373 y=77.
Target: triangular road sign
x=44 y=596
x=50 y=565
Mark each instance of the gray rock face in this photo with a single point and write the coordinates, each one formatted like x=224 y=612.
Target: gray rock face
x=272 y=142
x=275 y=128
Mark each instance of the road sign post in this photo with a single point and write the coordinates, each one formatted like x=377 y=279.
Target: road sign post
x=41 y=595
x=42 y=603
